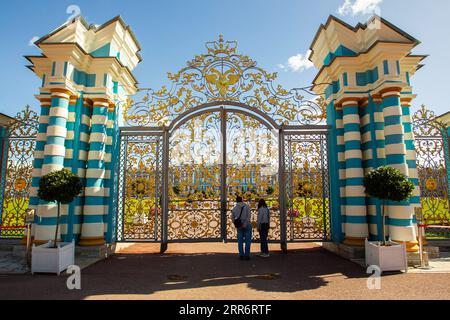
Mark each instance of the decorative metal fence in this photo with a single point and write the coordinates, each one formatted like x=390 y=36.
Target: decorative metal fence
x=140 y=187
x=19 y=145
x=307 y=186
x=430 y=143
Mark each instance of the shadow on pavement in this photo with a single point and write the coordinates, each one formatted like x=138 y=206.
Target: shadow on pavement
x=136 y=272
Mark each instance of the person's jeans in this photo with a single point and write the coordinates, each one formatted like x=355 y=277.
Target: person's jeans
x=244 y=236
x=263 y=234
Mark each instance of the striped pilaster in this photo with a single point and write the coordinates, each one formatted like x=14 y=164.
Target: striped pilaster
x=378 y=130
x=80 y=161
x=411 y=158
x=336 y=147
x=53 y=160
x=370 y=161
x=70 y=144
x=367 y=141
x=400 y=214
x=340 y=146
x=54 y=151
x=39 y=156
x=356 y=229
x=39 y=151
x=108 y=168
x=92 y=230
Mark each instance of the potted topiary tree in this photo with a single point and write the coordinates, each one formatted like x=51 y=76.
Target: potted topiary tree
x=61 y=187
x=387 y=184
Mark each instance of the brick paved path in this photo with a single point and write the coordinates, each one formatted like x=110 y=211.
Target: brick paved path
x=187 y=272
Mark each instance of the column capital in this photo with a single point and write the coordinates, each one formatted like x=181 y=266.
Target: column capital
x=348 y=101
x=364 y=102
x=406 y=101
x=45 y=100
x=377 y=98
x=61 y=93
x=73 y=99
x=390 y=92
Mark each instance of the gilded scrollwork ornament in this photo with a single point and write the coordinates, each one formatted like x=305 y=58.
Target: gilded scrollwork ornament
x=223 y=75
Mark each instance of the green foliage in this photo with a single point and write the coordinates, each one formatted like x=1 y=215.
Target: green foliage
x=59 y=186
x=304 y=189
x=141 y=186
x=176 y=189
x=387 y=183
x=270 y=191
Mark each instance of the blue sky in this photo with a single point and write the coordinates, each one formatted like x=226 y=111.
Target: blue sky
x=171 y=32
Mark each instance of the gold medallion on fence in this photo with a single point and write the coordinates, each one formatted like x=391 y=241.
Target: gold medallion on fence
x=20 y=184
x=431 y=184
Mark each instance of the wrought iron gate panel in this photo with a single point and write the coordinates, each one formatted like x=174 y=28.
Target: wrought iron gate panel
x=229 y=90
x=140 y=188
x=194 y=180
x=252 y=170
x=307 y=186
x=16 y=179
x=430 y=137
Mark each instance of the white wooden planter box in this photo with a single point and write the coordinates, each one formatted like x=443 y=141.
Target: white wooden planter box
x=388 y=258
x=52 y=260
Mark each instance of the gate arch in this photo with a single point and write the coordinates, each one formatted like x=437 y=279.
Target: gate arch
x=228 y=106
x=225 y=82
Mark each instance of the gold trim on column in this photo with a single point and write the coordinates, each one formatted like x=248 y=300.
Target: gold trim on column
x=39 y=242
x=91 y=241
x=364 y=102
x=354 y=242
x=406 y=102
x=390 y=92
x=411 y=246
x=340 y=103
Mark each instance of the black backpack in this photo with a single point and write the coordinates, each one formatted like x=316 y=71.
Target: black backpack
x=238 y=222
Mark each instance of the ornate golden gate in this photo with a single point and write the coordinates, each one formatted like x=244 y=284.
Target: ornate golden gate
x=17 y=167
x=224 y=128
x=430 y=143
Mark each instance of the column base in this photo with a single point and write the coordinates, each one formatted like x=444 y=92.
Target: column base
x=91 y=242
x=411 y=246
x=355 y=242
x=39 y=242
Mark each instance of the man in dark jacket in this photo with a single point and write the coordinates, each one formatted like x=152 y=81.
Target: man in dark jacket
x=242 y=211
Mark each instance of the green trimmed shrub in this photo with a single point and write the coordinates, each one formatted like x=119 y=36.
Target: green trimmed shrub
x=388 y=184
x=60 y=187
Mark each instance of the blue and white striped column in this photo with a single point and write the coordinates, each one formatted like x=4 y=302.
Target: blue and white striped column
x=54 y=154
x=340 y=146
x=92 y=230
x=411 y=160
x=356 y=228
x=38 y=161
x=369 y=152
x=81 y=163
x=400 y=214
x=108 y=169
x=378 y=122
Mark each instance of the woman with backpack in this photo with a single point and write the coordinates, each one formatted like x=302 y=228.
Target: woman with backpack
x=263 y=222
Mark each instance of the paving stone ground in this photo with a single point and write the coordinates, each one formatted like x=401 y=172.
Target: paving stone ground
x=11 y=264
x=212 y=271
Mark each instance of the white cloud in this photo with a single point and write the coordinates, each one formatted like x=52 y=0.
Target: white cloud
x=297 y=63
x=33 y=40
x=355 y=7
